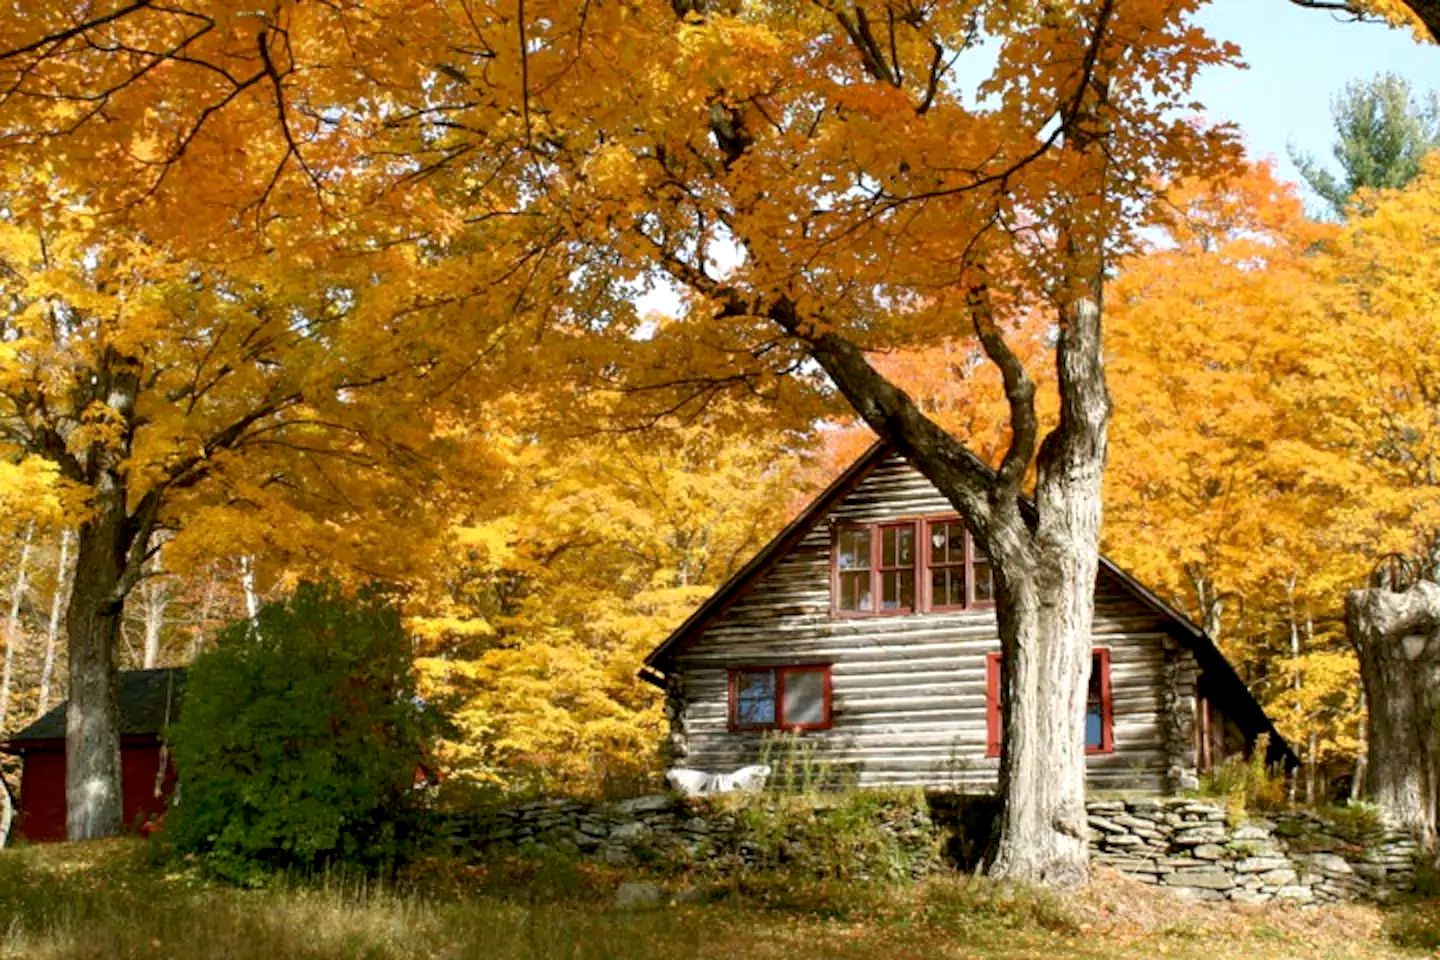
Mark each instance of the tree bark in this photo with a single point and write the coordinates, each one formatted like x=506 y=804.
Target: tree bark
x=52 y=629
x=92 y=728
x=1397 y=638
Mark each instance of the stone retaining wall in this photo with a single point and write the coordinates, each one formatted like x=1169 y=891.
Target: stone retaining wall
x=896 y=834
x=1296 y=856
x=1185 y=845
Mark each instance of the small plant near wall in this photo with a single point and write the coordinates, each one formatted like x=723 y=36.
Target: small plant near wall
x=1246 y=784
x=795 y=764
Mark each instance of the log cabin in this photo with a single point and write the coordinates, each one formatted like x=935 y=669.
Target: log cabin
x=867 y=629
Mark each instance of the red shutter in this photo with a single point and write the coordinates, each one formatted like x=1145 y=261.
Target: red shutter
x=1107 y=704
x=994 y=733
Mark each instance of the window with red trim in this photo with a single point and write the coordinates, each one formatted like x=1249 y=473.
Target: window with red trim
x=780 y=698
x=927 y=564
x=1099 y=706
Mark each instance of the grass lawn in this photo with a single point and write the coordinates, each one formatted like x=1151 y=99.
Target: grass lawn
x=106 y=900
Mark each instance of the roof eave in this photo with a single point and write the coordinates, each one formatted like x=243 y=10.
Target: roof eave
x=736 y=587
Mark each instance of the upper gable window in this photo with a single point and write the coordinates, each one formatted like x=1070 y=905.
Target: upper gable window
x=908 y=566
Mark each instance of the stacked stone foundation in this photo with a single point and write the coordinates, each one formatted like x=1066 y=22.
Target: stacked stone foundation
x=1191 y=846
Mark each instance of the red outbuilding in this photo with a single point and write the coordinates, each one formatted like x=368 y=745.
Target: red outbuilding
x=149 y=703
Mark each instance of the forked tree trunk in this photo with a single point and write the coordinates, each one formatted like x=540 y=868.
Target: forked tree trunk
x=1397 y=638
x=1046 y=610
x=92 y=728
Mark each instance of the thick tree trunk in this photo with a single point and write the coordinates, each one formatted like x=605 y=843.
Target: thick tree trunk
x=92 y=731
x=52 y=629
x=1397 y=638
x=1045 y=616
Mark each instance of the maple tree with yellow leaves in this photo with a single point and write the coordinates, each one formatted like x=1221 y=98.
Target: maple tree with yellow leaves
x=534 y=163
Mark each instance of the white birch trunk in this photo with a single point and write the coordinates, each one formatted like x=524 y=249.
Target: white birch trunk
x=52 y=629
x=247 y=584
x=12 y=624
x=207 y=600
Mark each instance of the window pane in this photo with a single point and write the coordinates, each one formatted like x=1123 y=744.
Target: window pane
x=984 y=585
x=855 y=591
x=940 y=588
x=897 y=590
x=897 y=546
x=854 y=550
x=939 y=534
x=1094 y=705
x=956 y=533
x=1093 y=722
x=804 y=697
x=755 y=698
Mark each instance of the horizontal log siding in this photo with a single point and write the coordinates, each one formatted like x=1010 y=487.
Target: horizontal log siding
x=909 y=691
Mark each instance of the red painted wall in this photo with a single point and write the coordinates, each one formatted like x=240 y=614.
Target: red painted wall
x=42 y=787
x=42 y=795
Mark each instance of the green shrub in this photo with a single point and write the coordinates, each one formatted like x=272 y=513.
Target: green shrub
x=872 y=835
x=1355 y=820
x=299 y=741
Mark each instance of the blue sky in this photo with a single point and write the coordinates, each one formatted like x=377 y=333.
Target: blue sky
x=1298 y=61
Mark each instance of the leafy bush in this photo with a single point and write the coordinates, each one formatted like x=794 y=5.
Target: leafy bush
x=299 y=740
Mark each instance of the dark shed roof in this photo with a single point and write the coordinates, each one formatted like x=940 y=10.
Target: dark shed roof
x=149 y=699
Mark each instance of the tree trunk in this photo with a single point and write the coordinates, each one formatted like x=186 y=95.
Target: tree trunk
x=92 y=730
x=52 y=630
x=247 y=586
x=1362 y=754
x=7 y=812
x=1045 y=614
x=197 y=637
x=1397 y=638
x=12 y=625
x=154 y=603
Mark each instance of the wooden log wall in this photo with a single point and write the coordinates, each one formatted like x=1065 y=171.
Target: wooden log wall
x=909 y=692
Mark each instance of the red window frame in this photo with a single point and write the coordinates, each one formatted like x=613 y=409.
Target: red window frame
x=923 y=600
x=780 y=672
x=994 y=734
